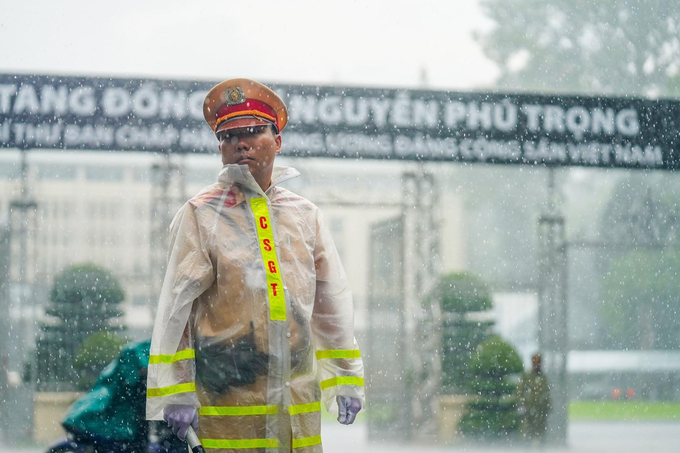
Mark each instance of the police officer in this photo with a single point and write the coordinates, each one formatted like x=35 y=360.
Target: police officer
x=254 y=327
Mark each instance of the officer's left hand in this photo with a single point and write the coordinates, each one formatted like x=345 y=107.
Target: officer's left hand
x=348 y=408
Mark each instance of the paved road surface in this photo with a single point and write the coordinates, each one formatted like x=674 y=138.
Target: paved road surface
x=583 y=438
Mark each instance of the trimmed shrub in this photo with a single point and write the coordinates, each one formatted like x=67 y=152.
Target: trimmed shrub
x=96 y=352
x=493 y=413
x=460 y=294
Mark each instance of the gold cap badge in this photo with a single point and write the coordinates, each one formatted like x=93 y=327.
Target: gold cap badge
x=235 y=96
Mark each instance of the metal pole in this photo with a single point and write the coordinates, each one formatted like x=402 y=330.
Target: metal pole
x=552 y=311
x=23 y=307
x=22 y=267
x=421 y=250
x=168 y=192
x=6 y=342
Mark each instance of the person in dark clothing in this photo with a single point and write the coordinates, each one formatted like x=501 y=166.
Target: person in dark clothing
x=534 y=402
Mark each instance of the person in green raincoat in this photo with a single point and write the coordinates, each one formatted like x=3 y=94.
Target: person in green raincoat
x=112 y=412
x=111 y=416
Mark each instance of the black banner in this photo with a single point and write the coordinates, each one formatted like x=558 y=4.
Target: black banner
x=166 y=115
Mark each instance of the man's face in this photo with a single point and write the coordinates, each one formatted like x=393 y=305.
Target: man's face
x=256 y=146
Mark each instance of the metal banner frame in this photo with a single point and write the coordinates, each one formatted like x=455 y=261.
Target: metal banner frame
x=165 y=116
x=403 y=364
x=132 y=114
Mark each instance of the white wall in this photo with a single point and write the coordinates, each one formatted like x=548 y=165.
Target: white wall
x=96 y=207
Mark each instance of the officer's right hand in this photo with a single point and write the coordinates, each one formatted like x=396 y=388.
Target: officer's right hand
x=180 y=417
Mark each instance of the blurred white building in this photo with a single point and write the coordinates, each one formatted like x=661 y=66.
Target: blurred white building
x=97 y=207
x=516 y=316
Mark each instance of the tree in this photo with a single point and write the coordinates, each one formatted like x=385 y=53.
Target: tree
x=460 y=295
x=673 y=86
x=605 y=46
x=641 y=300
x=87 y=296
x=493 y=413
x=640 y=289
x=97 y=351
x=642 y=211
x=84 y=300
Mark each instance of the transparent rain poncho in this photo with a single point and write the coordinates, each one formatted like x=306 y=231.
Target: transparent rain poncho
x=255 y=321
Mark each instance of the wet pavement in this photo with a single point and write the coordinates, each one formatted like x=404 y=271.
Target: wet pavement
x=600 y=437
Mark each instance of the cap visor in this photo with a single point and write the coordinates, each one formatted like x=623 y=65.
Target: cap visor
x=242 y=122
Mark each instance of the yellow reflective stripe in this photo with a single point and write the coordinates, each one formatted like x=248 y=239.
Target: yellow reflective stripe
x=342 y=380
x=171 y=390
x=240 y=443
x=306 y=441
x=237 y=410
x=171 y=358
x=304 y=408
x=277 y=299
x=338 y=354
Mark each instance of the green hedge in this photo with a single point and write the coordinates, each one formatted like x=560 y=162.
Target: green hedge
x=494 y=413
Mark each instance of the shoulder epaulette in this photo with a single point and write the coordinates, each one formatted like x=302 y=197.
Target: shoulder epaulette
x=212 y=195
x=206 y=196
